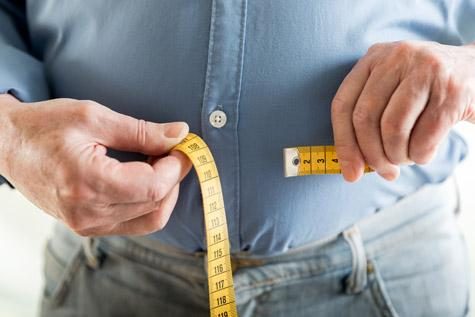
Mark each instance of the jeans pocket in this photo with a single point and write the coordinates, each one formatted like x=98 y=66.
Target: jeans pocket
x=429 y=280
x=378 y=291
x=59 y=272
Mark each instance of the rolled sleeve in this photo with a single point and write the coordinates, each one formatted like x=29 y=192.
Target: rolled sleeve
x=21 y=74
x=465 y=21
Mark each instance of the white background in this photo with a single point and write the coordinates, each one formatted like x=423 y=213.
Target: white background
x=24 y=230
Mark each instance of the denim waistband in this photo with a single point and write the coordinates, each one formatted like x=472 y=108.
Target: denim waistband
x=430 y=202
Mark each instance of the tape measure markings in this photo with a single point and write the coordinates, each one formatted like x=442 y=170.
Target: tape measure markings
x=220 y=280
x=312 y=160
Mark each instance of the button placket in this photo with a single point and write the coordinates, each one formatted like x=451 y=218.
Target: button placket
x=220 y=112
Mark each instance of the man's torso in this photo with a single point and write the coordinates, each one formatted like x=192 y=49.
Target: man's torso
x=272 y=67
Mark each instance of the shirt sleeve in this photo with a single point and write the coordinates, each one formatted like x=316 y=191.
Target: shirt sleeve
x=21 y=74
x=465 y=21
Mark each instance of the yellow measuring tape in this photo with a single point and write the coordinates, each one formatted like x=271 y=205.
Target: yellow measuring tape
x=312 y=160
x=298 y=161
x=220 y=277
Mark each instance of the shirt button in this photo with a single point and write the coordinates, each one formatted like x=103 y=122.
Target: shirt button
x=217 y=119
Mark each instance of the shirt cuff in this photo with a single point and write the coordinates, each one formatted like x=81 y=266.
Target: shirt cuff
x=22 y=75
x=4 y=181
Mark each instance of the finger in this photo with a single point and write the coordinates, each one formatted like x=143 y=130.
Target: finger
x=122 y=212
x=148 y=223
x=117 y=182
x=126 y=133
x=185 y=163
x=400 y=116
x=114 y=213
x=154 y=221
x=367 y=119
x=349 y=155
x=102 y=216
x=433 y=125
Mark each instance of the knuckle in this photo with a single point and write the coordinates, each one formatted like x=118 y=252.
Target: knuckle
x=339 y=106
x=391 y=141
x=394 y=128
x=86 y=111
x=403 y=48
x=89 y=103
x=362 y=117
x=376 y=47
x=157 y=192
x=432 y=62
x=74 y=193
x=65 y=100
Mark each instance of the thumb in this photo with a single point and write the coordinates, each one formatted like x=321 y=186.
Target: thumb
x=126 y=133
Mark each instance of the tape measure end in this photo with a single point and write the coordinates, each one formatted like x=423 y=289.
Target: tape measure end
x=291 y=162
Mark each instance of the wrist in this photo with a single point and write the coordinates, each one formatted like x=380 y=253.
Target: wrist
x=8 y=104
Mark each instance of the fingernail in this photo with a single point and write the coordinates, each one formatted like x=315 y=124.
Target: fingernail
x=176 y=130
x=351 y=173
x=389 y=172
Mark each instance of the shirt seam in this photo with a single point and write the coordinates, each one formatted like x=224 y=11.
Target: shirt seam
x=209 y=67
x=238 y=100
x=206 y=94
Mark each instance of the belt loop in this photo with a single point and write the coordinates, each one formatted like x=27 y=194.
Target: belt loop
x=92 y=253
x=357 y=281
x=205 y=263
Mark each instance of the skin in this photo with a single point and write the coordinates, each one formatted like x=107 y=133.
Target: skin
x=54 y=153
x=399 y=102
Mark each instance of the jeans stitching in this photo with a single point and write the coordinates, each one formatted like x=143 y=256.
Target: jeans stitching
x=70 y=270
x=378 y=291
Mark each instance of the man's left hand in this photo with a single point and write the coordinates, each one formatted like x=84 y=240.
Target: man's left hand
x=398 y=102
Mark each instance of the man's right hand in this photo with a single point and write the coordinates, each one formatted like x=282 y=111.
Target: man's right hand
x=54 y=152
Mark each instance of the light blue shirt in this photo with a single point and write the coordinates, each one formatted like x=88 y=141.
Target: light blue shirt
x=272 y=66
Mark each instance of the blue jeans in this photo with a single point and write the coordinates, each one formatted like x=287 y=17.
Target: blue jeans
x=406 y=260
